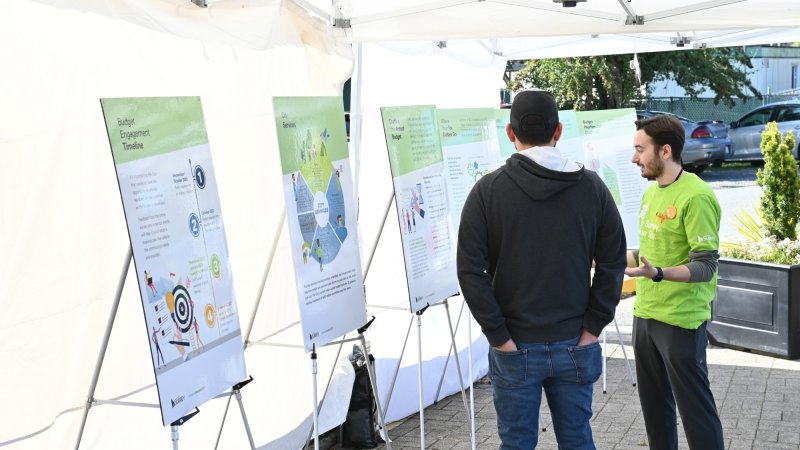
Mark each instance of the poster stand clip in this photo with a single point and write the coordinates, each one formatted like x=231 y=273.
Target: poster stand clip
x=236 y=389
x=174 y=426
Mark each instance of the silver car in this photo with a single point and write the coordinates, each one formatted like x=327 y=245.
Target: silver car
x=706 y=143
x=746 y=132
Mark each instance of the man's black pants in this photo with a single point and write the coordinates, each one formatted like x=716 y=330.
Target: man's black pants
x=671 y=368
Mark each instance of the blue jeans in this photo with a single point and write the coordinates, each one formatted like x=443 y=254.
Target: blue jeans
x=567 y=373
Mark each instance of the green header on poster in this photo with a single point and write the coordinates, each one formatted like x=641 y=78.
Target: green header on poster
x=615 y=122
x=309 y=127
x=464 y=126
x=411 y=138
x=148 y=126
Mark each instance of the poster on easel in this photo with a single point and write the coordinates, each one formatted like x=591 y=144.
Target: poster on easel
x=471 y=149
x=421 y=201
x=605 y=145
x=602 y=142
x=321 y=211
x=180 y=253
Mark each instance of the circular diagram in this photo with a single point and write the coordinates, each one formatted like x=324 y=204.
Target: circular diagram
x=320 y=203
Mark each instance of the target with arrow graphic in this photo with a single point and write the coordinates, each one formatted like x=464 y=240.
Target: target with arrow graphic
x=184 y=308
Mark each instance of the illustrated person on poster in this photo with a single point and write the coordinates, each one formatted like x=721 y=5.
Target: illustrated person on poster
x=408 y=221
x=338 y=182
x=415 y=201
x=159 y=355
x=319 y=255
x=420 y=201
x=197 y=333
x=676 y=266
x=541 y=328
x=294 y=186
x=148 y=279
x=341 y=231
x=304 y=250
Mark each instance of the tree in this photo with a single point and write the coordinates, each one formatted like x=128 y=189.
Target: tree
x=607 y=82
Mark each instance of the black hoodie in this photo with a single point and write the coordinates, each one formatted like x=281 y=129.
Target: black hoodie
x=526 y=243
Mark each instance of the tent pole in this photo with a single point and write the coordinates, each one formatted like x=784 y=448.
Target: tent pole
x=380 y=232
x=270 y=258
x=104 y=346
x=356 y=116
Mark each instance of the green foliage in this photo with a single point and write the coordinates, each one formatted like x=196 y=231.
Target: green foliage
x=607 y=82
x=771 y=250
x=780 y=202
x=771 y=235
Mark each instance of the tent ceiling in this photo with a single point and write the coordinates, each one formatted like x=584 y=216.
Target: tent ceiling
x=516 y=28
x=393 y=20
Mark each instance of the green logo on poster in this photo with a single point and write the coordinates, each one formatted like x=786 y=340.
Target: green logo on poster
x=216 y=265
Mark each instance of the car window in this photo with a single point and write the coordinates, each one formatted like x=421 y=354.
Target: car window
x=788 y=113
x=759 y=117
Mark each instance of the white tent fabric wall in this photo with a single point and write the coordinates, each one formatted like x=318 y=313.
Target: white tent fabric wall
x=462 y=75
x=63 y=233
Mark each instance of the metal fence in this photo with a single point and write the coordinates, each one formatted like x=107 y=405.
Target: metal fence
x=705 y=109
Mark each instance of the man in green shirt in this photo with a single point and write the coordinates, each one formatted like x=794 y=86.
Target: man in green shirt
x=676 y=264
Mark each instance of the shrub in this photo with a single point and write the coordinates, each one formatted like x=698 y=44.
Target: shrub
x=772 y=233
x=780 y=202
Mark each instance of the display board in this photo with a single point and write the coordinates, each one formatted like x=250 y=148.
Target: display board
x=172 y=208
x=603 y=142
x=471 y=149
x=321 y=211
x=421 y=200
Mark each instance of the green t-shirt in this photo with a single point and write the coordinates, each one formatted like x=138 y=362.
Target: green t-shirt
x=675 y=220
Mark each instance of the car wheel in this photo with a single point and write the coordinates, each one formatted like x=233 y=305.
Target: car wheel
x=698 y=168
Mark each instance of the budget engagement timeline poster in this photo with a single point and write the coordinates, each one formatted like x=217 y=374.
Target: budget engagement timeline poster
x=421 y=201
x=180 y=253
x=321 y=212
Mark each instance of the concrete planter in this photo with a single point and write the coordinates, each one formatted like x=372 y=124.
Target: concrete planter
x=757 y=307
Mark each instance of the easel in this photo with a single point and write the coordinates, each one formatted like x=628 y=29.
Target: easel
x=370 y=374
x=90 y=400
x=467 y=408
x=624 y=354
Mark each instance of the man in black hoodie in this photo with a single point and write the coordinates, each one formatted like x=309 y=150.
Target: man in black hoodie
x=529 y=234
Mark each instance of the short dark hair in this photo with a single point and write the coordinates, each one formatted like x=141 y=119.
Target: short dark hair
x=534 y=116
x=665 y=130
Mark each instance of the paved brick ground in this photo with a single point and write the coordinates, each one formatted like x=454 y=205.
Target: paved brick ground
x=758 y=398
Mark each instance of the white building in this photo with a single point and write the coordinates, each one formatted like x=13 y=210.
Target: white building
x=776 y=69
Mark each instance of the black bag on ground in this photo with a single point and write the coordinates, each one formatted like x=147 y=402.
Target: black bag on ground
x=358 y=431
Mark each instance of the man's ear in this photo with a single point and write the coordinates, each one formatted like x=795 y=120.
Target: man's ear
x=557 y=133
x=511 y=136
x=666 y=152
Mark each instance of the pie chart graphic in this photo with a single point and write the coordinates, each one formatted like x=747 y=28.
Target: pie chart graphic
x=321 y=208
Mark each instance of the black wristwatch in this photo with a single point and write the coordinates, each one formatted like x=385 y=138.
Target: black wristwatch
x=659 y=275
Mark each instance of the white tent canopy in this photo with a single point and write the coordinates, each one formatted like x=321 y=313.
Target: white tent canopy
x=62 y=233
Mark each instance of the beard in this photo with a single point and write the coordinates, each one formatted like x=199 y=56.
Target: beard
x=653 y=169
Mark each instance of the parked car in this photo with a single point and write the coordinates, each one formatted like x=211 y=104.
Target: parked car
x=707 y=141
x=746 y=132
